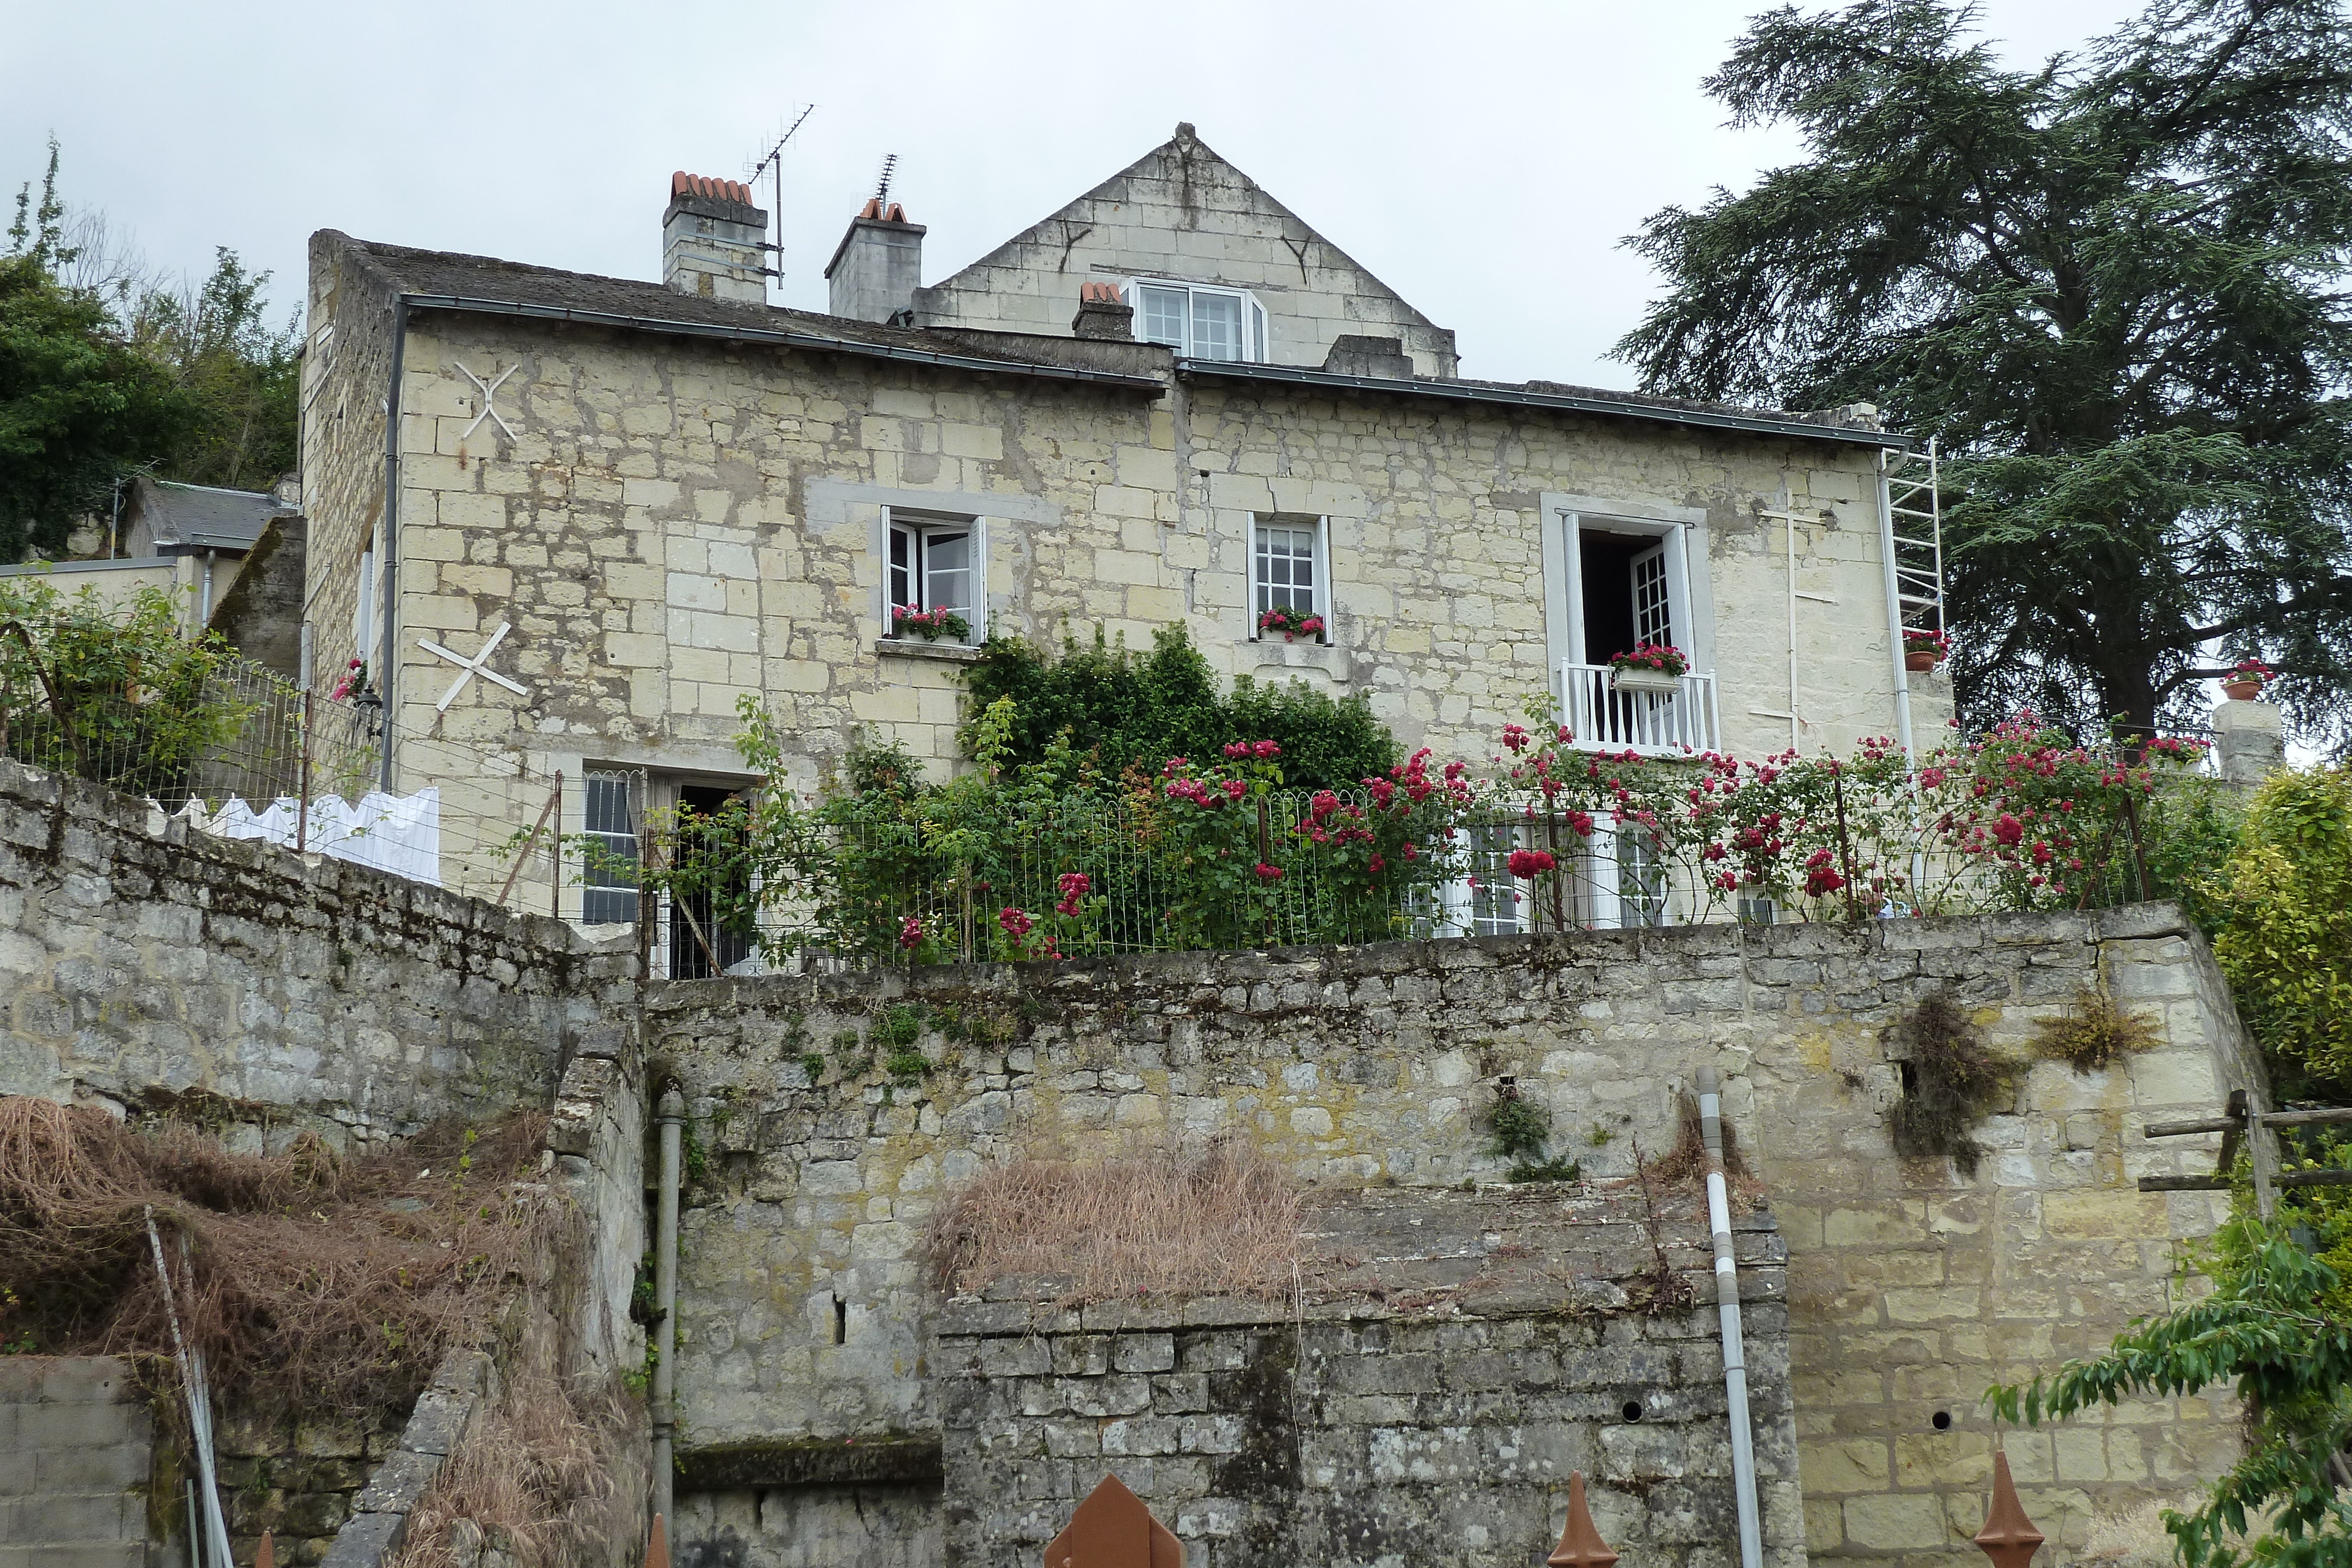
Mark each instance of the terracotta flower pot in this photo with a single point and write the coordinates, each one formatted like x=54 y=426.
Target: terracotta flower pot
x=1917 y=660
x=2241 y=691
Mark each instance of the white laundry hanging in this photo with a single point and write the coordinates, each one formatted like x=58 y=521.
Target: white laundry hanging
x=398 y=834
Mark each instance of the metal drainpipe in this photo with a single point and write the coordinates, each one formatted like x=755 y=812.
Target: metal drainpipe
x=387 y=570
x=204 y=601
x=670 y=1115
x=1893 y=609
x=1726 y=1300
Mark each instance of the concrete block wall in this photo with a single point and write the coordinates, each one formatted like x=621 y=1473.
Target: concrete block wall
x=77 y=1453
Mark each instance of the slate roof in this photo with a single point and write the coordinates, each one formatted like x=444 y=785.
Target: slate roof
x=446 y=279
x=201 y=517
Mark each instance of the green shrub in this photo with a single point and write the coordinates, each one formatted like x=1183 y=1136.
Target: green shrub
x=2284 y=907
x=1130 y=709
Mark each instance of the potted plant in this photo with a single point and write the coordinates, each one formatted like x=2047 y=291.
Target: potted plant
x=2246 y=680
x=1292 y=623
x=930 y=625
x=1924 y=649
x=1649 y=667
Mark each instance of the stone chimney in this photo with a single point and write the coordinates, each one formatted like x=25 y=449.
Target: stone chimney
x=714 y=241
x=877 y=266
x=1353 y=354
x=1102 y=314
x=2248 y=741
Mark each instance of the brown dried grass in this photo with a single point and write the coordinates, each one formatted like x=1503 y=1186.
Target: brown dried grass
x=1686 y=1161
x=533 y=1481
x=1153 y=1222
x=308 y=1281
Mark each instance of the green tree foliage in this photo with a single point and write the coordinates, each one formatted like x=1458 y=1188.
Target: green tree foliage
x=2111 y=284
x=105 y=371
x=78 y=405
x=2284 y=907
x=2274 y=1327
x=1123 y=708
x=240 y=374
x=140 y=705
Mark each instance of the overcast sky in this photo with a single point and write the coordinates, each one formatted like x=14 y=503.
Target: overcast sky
x=1485 y=158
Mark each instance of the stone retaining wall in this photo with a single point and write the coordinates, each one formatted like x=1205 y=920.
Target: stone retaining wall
x=1911 y=1286
x=141 y=963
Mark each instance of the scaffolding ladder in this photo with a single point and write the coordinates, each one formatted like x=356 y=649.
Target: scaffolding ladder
x=1915 y=536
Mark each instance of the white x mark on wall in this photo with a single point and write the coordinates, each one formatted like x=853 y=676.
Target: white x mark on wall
x=490 y=401
x=477 y=665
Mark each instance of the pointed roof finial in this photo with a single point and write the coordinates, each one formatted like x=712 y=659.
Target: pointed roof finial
x=266 y=1554
x=657 y=1549
x=1581 y=1546
x=1112 y=1528
x=2008 y=1537
x=1184 y=131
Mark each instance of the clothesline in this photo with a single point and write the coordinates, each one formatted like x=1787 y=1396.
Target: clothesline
x=398 y=834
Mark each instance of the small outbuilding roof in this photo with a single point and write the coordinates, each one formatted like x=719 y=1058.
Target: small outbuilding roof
x=201 y=517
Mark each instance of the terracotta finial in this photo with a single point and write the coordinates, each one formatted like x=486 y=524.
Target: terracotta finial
x=2008 y=1537
x=657 y=1549
x=266 y=1554
x=1581 y=1546
x=1112 y=1528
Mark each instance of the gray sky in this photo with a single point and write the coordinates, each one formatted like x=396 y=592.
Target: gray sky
x=1484 y=157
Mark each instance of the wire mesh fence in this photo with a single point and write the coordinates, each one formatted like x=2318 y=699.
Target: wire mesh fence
x=235 y=749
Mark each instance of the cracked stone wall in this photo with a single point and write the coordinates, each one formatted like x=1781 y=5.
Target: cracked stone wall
x=1910 y=1286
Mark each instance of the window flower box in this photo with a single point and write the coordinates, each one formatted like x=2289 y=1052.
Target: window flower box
x=1293 y=624
x=1649 y=667
x=932 y=625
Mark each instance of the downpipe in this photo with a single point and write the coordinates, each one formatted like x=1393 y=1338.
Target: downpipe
x=1727 y=1301
x=670 y=1115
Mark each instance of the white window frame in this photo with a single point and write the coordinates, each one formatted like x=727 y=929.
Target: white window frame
x=920 y=525
x=1253 y=317
x=1319 y=590
x=1674 y=536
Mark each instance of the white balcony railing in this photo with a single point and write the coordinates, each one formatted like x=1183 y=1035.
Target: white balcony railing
x=1602 y=716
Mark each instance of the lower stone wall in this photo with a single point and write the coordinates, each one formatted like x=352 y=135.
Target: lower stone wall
x=1435 y=1423
x=142 y=964
x=1912 y=1285
x=77 y=1463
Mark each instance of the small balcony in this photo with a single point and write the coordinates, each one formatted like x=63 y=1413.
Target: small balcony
x=1602 y=715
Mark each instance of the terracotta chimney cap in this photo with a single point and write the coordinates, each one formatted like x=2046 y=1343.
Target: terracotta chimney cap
x=1099 y=294
x=685 y=184
x=874 y=212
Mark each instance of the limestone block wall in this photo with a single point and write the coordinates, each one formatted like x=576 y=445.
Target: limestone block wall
x=141 y=962
x=1433 y=1421
x=677 y=525
x=77 y=1456
x=1911 y=1286
x=1183 y=213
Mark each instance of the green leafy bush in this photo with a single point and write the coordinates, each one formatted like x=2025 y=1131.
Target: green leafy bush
x=2284 y=907
x=140 y=705
x=1132 y=710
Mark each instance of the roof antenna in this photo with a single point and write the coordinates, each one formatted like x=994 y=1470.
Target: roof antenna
x=882 y=189
x=776 y=160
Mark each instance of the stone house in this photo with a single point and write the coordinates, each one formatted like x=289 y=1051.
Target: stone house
x=1171 y=401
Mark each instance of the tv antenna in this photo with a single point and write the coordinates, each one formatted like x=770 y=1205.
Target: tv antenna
x=774 y=161
x=882 y=186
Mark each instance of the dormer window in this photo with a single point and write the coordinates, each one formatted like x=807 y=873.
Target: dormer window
x=1200 y=322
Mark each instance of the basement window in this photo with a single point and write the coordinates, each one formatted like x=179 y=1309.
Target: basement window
x=1199 y=322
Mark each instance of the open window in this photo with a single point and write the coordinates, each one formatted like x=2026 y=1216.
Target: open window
x=1628 y=584
x=937 y=566
x=697 y=933
x=1200 y=321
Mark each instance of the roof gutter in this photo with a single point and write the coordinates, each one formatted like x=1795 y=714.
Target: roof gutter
x=1622 y=408
x=810 y=340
